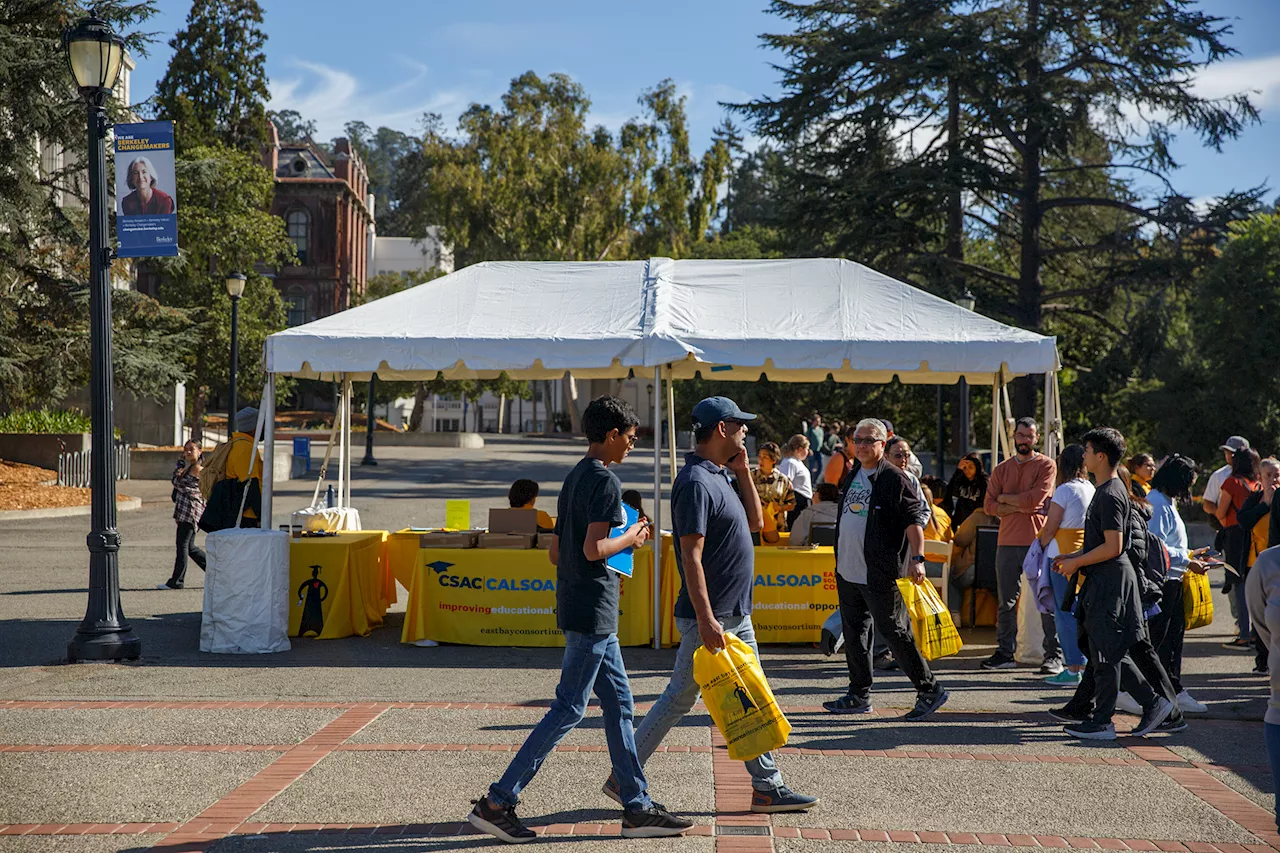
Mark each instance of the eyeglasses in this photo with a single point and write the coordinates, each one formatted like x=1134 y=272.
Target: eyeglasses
x=732 y=425
x=630 y=437
x=858 y=440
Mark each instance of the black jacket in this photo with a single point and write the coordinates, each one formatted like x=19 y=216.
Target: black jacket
x=894 y=507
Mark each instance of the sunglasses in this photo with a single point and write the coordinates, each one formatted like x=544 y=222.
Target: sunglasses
x=866 y=441
x=630 y=437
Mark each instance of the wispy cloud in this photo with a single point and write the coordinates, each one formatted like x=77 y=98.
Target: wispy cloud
x=331 y=97
x=1259 y=77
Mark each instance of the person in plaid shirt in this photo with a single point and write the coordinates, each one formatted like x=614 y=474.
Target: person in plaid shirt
x=188 y=506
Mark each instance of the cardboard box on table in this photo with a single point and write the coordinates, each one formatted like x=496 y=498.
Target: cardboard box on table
x=450 y=539
x=522 y=521
x=508 y=541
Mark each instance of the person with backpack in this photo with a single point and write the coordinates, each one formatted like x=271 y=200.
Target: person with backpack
x=188 y=506
x=1171 y=484
x=1109 y=605
x=233 y=467
x=1255 y=518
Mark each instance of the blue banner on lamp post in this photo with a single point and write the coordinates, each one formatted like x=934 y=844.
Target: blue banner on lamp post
x=146 y=190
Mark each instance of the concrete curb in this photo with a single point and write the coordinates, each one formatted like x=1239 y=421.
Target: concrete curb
x=63 y=511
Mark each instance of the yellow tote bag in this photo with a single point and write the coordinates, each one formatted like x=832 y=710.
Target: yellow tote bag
x=936 y=635
x=1197 y=600
x=739 y=699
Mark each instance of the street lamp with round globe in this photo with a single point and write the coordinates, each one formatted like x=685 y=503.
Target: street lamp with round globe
x=235 y=289
x=95 y=55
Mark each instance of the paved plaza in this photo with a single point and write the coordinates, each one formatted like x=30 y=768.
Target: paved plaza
x=365 y=744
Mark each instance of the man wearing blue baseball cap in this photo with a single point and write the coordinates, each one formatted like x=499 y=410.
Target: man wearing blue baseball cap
x=713 y=518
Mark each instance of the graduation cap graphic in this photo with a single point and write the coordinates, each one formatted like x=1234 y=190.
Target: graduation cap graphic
x=440 y=566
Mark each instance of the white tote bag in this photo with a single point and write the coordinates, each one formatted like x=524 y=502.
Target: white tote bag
x=246 y=586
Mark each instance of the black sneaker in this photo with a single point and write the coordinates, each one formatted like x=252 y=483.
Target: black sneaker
x=1239 y=645
x=848 y=705
x=501 y=823
x=1067 y=714
x=926 y=704
x=1261 y=670
x=653 y=822
x=1000 y=660
x=1153 y=716
x=1089 y=730
x=1175 y=723
x=884 y=662
x=781 y=799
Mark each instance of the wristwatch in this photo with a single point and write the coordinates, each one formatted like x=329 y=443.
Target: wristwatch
x=919 y=558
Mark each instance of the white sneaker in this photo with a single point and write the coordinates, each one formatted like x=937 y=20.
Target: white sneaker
x=1188 y=704
x=1126 y=704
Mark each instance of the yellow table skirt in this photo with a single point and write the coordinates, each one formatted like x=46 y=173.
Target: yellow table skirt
x=794 y=593
x=483 y=597
x=339 y=585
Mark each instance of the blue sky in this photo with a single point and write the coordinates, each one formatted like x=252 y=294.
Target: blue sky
x=386 y=63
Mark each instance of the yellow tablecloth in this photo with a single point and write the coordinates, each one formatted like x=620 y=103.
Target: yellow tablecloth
x=484 y=597
x=339 y=585
x=794 y=593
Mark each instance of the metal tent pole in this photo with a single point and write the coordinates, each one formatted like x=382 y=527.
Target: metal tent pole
x=671 y=421
x=269 y=451
x=656 y=584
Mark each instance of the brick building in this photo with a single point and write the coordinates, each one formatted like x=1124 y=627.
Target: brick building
x=325 y=204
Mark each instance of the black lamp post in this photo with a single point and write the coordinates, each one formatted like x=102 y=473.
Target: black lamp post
x=235 y=289
x=968 y=303
x=95 y=55
x=368 y=427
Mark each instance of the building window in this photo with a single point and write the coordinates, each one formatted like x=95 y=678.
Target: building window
x=299 y=227
x=447 y=425
x=297 y=307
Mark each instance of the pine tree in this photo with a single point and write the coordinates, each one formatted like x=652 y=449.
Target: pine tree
x=215 y=89
x=1040 y=88
x=44 y=329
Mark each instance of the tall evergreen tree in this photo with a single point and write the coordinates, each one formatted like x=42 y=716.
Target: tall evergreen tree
x=1038 y=85
x=44 y=269
x=215 y=89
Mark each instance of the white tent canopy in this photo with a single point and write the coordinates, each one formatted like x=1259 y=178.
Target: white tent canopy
x=792 y=320
x=796 y=320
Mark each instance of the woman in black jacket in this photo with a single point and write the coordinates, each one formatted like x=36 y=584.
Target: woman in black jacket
x=967 y=489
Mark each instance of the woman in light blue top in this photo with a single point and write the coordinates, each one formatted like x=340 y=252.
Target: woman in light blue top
x=1172 y=483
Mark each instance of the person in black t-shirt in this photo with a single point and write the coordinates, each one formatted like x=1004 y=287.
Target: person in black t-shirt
x=587 y=612
x=1109 y=605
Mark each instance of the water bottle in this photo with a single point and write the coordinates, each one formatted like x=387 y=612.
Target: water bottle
x=328 y=497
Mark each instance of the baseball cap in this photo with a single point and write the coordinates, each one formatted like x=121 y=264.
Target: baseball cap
x=1235 y=443
x=713 y=410
x=888 y=426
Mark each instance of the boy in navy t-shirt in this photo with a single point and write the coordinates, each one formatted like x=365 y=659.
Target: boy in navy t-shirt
x=590 y=507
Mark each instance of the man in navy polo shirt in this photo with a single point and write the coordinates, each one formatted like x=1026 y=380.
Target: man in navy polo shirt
x=713 y=519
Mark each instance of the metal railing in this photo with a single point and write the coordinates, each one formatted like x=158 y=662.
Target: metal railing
x=74 y=467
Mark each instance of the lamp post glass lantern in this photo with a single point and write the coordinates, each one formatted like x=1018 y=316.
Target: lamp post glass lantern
x=95 y=55
x=235 y=289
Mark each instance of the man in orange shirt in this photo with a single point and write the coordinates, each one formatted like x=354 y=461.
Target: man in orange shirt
x=1018 y=493
x=842 y=460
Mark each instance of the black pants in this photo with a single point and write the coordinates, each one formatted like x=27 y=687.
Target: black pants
x=186 y=546
x=1139 y=673
x=1168 y=628
x=863 y=606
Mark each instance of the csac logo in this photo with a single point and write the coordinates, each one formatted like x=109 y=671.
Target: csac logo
x=443 y=577
x=789 y=580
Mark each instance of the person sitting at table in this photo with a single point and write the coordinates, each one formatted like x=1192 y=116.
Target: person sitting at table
x=631 y=497
x=523 y=495
x=776 y=494
x=938 y=528
x=826 y=501
x=964 y=553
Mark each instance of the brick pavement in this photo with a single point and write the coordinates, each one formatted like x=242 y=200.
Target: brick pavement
x=735 y=829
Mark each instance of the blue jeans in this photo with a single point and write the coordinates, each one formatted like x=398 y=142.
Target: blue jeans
x=1068 y=633
x=591 y=661
x=1271 y=733
x=677 y=700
